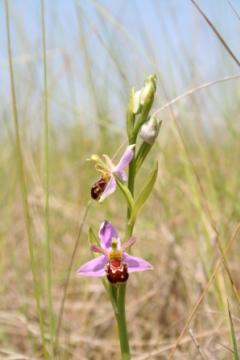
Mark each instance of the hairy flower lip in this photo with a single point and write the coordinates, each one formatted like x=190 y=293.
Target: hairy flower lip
x=97 y=267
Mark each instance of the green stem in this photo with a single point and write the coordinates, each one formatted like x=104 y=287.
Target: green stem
x=113 y=294
x=122 y=324
x=129 y=230
x=131 y=180
x=24 y=191
x=121 y=315
x=131 y=176
x=48 y=245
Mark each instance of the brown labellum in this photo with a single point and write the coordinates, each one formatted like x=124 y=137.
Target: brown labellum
x=98 y=188
x=116 y=271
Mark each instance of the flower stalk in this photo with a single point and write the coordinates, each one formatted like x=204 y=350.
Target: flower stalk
x=122 y=324
x=116 y=262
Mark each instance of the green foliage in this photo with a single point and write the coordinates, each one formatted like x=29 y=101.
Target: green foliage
x=93 y=238
x=144 y=193
x=197 y=194
x=236 y=355
x=127 y=194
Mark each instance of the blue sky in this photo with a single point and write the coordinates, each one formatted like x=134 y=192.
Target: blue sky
x=163 y=36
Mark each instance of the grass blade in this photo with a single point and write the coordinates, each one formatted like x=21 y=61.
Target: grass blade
x=233 y=336
x=24 y=191
x=48 y=245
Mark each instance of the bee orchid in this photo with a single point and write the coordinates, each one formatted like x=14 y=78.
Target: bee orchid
x=113 y=262
x=106 y=185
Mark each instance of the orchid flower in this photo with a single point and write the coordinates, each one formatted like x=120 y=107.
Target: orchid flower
x=106 y=185
x=114 y=262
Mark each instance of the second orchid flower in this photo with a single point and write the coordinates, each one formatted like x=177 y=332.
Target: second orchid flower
x=106 y=185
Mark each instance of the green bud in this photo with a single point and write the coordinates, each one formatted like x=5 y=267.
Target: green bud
x=136 y=102
x=143 y=96
x=130 y=114
x=139 y=106
x=149 y=130
x=148 y=91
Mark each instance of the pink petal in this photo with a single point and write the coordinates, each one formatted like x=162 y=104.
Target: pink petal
x=122 y=174
x=124 y=161
x=98 y=249
x=94 y=267
x=106 y=232
x=136 y=263
x=110 y=188
x=129 y=243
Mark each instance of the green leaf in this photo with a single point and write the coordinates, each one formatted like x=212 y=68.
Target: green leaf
x=233 y=335
x=144 y=194
x=130 y=116
x=141 y=155
x=127 y=194
x=145 y=148
x=93 y=239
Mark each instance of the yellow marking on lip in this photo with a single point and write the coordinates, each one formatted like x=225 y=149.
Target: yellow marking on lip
x=115 y=254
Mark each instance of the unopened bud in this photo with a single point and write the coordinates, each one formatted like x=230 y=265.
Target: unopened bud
x=136 y=102
x=148 y=91
x=144 y=95
x=149 y=130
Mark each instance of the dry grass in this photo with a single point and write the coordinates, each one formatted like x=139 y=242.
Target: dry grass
x=189 y=228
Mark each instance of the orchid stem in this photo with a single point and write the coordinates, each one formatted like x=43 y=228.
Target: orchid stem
x=113 y=293
x=131 y=180
x=121 y=316
x=131 y=173
x=122 y=324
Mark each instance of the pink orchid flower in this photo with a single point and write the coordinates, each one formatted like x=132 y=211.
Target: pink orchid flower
x=106 y=185
x=114 y=262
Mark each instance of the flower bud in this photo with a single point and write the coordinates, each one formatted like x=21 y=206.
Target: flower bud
x=143 y=96
x=136 y=102
x=149 y=130
x=148 y=91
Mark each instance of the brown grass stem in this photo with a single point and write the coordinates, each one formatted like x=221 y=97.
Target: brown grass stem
x=216 y=32
x=217 y=267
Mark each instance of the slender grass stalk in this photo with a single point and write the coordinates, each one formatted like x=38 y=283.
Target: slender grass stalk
x=216 y=269
x=234 y=9
x=66 y=283
x=194 y=90
x=24 y=191
x=48 y=245
x=236 y=355
x=204 y=211
x=89 y=70
x=216 y=33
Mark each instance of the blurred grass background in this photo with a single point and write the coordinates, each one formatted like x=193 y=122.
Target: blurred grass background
x=95 y=52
